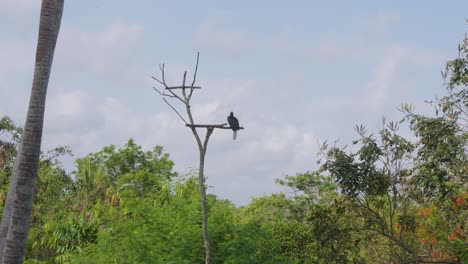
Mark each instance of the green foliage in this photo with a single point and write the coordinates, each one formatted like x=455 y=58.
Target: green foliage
x=357 y=173
x=441 y=155
x=10 y=135
x=146 y=230
x=73 y=236
x=332 y=228
x=131 y=158
x=10 y=130
x=385 y=181
x=51 y=206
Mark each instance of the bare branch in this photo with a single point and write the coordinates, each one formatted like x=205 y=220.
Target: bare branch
x=163 y=82
x=209 y=131
x=156 y=89
x=184 y=79
x=221 y=126
x=194 y=75
x=182 y=87
x=167 y=95
x=159 y=81
x=196 y=69
x=163 y=93
x=178 y=97
x=207 y=126
x=162 y=73
x=175 y=110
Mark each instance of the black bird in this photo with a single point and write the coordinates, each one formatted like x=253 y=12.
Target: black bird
x=234 y=124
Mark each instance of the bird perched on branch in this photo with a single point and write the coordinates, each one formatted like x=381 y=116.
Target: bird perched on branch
x=234 y=124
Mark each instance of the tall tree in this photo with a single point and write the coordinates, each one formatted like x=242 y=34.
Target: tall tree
x=184 y=97
x=16 y=216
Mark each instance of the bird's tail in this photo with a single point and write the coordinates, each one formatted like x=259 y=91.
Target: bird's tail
x=234 y=135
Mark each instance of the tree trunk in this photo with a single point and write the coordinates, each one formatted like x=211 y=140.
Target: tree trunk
x=23 y=180
x=201 y=186
x=201 y=146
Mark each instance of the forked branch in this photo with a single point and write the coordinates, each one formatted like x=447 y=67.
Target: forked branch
x=170 y=92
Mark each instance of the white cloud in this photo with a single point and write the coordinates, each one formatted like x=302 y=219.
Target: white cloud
x=108 y=53
x=379 y=86
x=67 y=105
x=263 y=152
x=205 y=112
x=275 y=140
x=421 y=57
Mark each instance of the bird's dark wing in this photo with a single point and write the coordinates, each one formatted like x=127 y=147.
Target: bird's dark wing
x=230 y=120
x=233 y=122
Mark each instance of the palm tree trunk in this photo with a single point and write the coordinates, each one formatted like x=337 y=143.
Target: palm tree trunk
x=23 y=180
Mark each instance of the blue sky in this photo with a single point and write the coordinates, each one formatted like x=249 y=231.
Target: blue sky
x=294 y=73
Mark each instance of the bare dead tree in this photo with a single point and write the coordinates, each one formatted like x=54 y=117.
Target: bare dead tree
x=186 y=92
